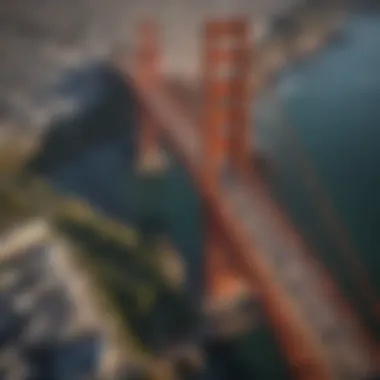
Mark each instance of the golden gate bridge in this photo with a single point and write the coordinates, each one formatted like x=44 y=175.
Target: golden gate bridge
x=250 y=244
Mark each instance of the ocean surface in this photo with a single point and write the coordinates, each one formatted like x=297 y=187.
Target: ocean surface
x=320 y=126
x=321 y=120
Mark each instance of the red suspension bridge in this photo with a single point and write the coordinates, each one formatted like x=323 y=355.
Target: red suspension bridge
x=249 y=242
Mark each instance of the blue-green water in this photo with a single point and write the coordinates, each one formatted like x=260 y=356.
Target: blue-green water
x=331 y=102
x=334 y=106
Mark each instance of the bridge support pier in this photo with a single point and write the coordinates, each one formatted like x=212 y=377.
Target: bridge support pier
x=223 y=285
x=226 y=295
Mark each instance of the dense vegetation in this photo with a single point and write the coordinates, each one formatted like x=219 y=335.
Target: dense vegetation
x=127 y=266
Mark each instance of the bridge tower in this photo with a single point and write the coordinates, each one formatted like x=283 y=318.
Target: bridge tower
x=225 y=138
x=226 y=111
x=226 y=145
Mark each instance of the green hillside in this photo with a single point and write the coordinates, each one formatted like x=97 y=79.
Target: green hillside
x=129 y=268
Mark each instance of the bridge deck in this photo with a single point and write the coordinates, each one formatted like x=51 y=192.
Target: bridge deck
x=281 y=261
x=298 y=278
